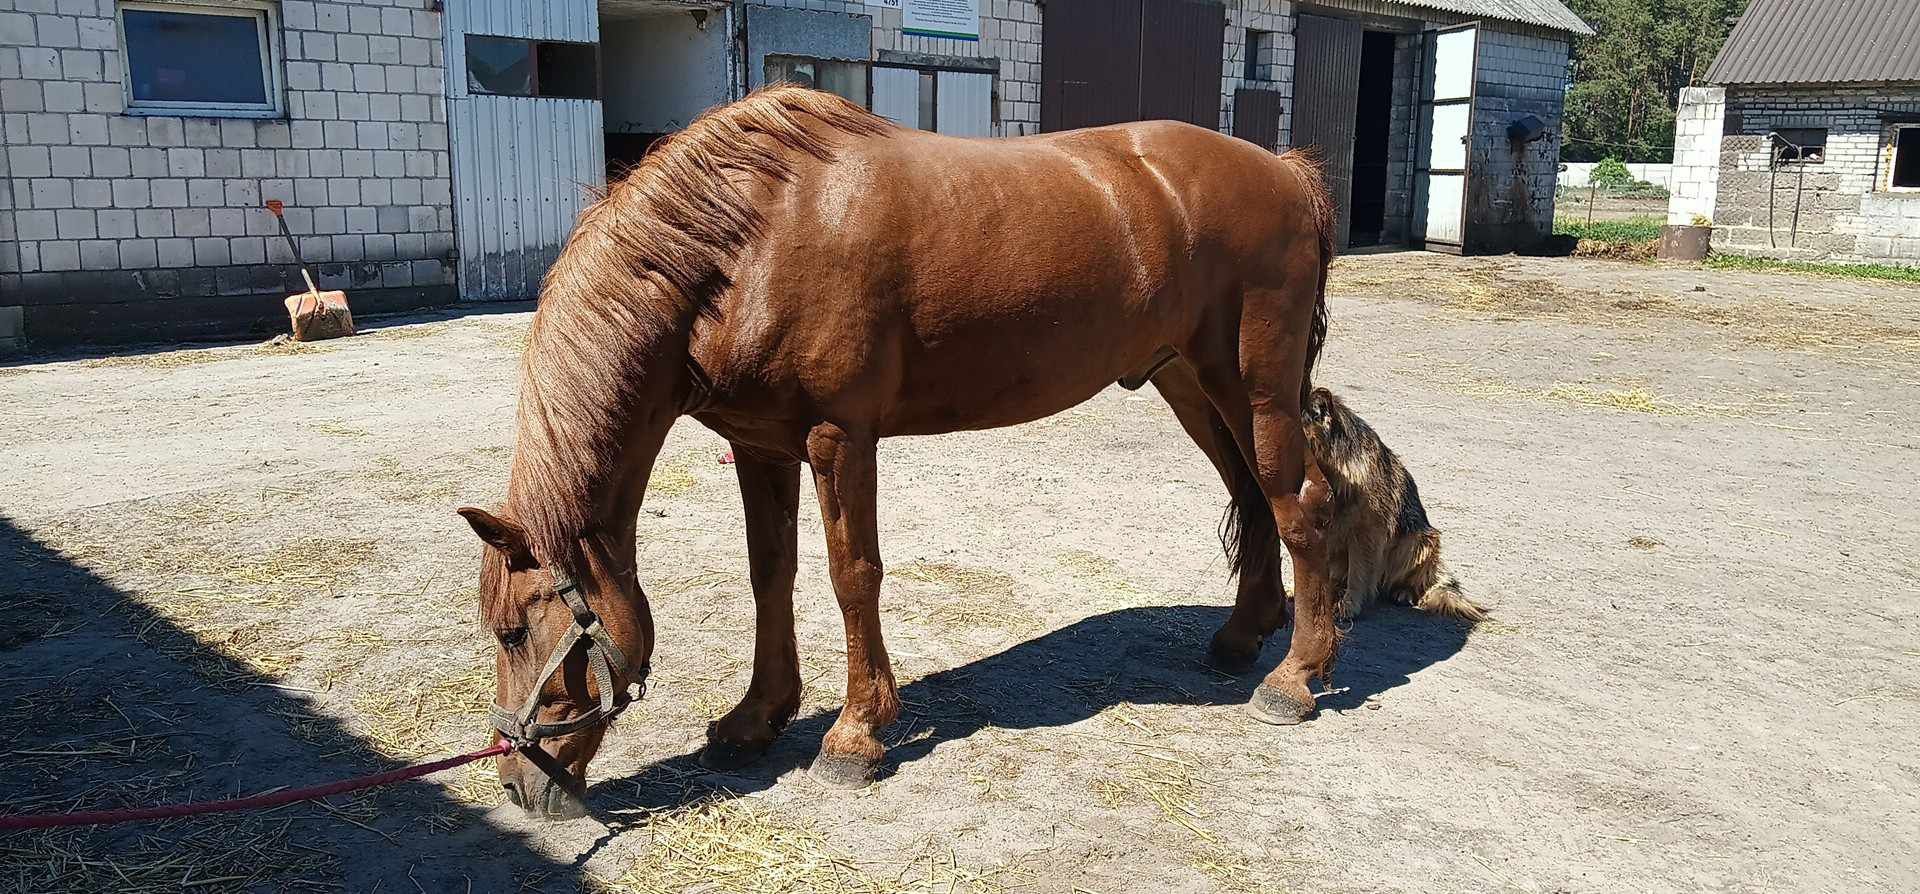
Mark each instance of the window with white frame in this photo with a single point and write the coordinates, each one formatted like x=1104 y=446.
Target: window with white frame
x=201 y=59
x=1906 y=158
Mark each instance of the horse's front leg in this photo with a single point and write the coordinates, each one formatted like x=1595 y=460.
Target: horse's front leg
x=770 y=492
x=844 y=478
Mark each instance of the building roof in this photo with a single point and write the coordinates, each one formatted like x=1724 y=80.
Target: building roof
x=1821 y=42
x=1552 y=14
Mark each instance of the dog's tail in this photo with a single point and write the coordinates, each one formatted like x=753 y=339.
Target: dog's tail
x=1434 y=587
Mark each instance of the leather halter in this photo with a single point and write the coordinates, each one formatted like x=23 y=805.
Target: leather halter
x=604 y=658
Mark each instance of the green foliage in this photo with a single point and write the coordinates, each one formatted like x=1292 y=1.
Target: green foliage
x=1851 y=271
x=1627 y=77
x=1635 y=229
x=1611 y=174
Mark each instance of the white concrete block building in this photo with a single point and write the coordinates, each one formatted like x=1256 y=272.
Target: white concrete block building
x=435 y=151
x=1807 y=142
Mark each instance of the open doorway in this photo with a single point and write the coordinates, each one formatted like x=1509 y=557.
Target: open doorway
x=662 y=64
x=1372 y=131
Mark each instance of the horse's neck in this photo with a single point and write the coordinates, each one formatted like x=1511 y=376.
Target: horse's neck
x=582 y=464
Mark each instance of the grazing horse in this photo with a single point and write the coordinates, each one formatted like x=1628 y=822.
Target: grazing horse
x=805 y=278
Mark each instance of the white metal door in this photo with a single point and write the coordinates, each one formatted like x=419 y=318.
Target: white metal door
x=896 y=94
x=1447 y=133
x=964 y=106
x=523 y=166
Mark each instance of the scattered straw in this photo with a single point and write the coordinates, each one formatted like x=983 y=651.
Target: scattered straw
x=413 y=481
x=740 y=846
x=674 y=475
x=418 y=330
x=198 y=356
x=422 y=716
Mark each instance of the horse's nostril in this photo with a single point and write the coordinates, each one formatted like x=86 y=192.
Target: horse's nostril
x=514 y=794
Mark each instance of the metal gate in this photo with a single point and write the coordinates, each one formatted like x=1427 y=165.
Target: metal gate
x=522 y=164
x=1444 y=165
x=1326 y=97
x=1256 y=117
x=1107 y=61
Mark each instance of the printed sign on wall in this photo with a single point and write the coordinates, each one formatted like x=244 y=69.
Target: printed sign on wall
x=958 y=19
x=884 y=4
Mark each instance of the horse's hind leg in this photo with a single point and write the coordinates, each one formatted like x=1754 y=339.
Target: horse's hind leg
x=844 y=479
x=770 y=493
x=1260 y=401
x=1252 y=545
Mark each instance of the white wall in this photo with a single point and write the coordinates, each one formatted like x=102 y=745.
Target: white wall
x=1578 y=173
x=659 y=72
x=1695 y=182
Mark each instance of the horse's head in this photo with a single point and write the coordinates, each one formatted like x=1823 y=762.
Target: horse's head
x=570 y=646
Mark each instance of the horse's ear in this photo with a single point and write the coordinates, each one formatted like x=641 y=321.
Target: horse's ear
x=503 y=534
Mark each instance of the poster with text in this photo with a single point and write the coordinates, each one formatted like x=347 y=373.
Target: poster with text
x=958 y=19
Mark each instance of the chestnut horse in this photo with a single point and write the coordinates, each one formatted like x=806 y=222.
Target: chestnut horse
x=805 y=278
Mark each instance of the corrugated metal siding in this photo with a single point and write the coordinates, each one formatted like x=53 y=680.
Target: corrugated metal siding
x=1256 y=116
x=1326 y=85
x=1182 y=42
x=1544 y=13
x=522 y=167
x=1822 y=42
x=965 y=106
x=1090 y=63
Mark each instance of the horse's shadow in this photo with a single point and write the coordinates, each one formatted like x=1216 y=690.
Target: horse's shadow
x=1147 y=655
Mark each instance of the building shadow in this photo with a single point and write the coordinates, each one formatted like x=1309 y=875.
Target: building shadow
x=364 y=323
x=1145 y=656
x=109 y=705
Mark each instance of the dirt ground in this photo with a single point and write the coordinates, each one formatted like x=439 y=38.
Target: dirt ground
x=1687 y=494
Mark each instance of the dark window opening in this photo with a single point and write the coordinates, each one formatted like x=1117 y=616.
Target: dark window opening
x=847 y=80
x=1259 y=52
x=1373 y=116
x=1906 y=158
x=198 y=58
x=516 y=66
x=1802 y=144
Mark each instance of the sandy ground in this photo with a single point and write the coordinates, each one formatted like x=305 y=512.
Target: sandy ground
x=1687 y=494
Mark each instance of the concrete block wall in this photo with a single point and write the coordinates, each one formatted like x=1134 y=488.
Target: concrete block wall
x=1522 y=72
x=1845 y=209
x=1009 y=32
x=1693 y=180
x=1274 y=57
x=114 y=214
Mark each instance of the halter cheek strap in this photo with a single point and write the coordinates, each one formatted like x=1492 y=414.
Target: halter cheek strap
x=603 y=659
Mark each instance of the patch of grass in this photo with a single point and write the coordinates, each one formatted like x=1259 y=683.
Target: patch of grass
x=1635 y=229
x=1887 y=272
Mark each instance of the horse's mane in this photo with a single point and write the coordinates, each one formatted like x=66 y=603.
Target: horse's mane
x=642 y=260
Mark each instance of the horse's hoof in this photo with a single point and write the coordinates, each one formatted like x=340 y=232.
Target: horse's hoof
x=844 y=772
x=1229 y=658
x=725 y=756
x=1270 y=705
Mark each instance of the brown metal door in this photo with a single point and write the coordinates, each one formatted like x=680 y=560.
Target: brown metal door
x=1256 y=117
x=1326 y=94
x=1107 y=61
x=1089 y=63
x=1182 y=42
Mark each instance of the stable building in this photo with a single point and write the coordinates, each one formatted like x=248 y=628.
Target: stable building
x=431 y=152
x=1806 y=141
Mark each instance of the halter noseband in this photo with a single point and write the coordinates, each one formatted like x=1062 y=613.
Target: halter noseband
x=603 y=658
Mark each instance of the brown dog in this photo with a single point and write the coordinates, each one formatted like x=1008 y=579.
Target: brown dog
x=1379 y=539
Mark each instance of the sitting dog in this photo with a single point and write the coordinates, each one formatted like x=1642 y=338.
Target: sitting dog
x=1378 y=539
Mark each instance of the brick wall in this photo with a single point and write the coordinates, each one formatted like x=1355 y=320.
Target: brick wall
x=1009 y=32
x=158 y=218
x=1273 y=70
x=1845 y=207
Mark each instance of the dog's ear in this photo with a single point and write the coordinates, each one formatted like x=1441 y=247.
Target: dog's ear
x=1319 y=404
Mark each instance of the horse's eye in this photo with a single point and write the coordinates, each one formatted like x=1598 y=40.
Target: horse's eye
x=514 y=638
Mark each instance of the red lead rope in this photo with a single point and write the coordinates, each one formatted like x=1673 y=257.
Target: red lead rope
x=255 y=802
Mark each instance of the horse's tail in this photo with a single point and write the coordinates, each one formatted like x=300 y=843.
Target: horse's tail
x=1305 y=166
